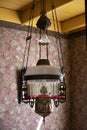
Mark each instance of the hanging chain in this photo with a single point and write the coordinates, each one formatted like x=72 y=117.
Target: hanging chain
x=43 y=3
x=55 y=34
x=53 y=19
x=28 y=38
x=58 y=40
x=32 y=16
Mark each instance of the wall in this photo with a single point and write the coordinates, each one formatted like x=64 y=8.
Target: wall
x=78 y=82
x=14 y=116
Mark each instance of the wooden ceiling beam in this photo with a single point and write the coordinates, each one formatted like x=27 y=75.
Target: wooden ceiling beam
x=10 y=15
x=23 y=17
x=73 y=23
x=26 y=12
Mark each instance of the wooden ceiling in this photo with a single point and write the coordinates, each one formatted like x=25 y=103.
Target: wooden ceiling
x=71 y=13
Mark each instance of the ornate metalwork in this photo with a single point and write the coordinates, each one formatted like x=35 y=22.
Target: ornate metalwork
x=43 y=71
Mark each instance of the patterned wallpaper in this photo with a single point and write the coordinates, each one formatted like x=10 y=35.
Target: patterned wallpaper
x=14 y=116
x=78 y=83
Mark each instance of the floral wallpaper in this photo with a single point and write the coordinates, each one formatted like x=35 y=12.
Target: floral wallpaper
x=14 y=116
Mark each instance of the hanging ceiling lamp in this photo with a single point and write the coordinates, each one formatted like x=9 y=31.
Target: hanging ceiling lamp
x=43 y=85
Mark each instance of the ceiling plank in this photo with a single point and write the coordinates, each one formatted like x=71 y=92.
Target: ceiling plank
x=10 y=15
x=73 y=23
